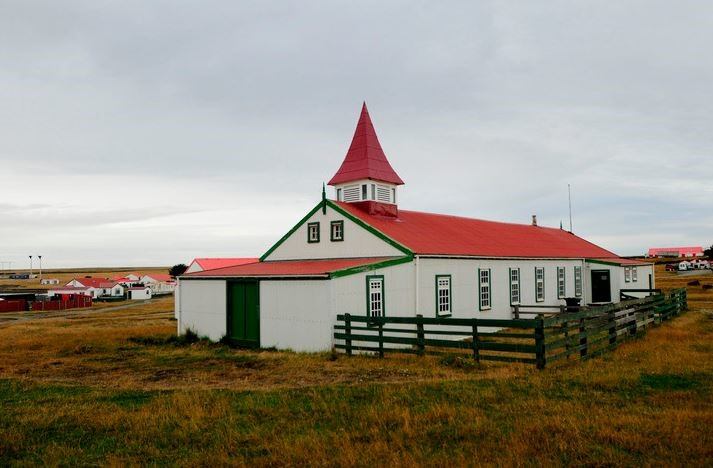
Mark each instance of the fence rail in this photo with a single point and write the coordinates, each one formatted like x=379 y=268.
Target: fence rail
x=562 y=334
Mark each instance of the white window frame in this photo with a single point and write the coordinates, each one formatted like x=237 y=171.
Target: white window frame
x=627 y=275
x=336 y=227
x=514 y=280
x=539 y=284
x=313 y=228
x=444 y=296
x=485 y=295
x=561 y=282
x=634 y=275
x=578 y=281
x=375 y=297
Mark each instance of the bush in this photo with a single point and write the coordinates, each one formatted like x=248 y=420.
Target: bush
x=459 y=362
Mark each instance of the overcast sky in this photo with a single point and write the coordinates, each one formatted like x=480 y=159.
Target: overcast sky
x=151 y=132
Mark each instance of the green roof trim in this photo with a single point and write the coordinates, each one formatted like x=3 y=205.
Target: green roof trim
x=322 y=205
x=602 y=262
x=371 y=267
x=291 y=231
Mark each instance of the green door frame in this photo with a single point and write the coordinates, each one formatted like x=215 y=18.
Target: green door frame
x=229 y=314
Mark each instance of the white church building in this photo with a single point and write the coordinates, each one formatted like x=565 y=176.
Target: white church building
x=360 y=254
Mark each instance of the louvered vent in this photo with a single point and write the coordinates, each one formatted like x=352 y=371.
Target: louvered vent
x=351 y=193
x=383 y=194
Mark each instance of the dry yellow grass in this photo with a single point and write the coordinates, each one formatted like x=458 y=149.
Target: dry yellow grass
x=111 y=388
x=66 y=275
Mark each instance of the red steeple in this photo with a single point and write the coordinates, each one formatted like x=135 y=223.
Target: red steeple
x=365 y=158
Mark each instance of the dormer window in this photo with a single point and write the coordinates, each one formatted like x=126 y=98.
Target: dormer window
x=337 y=231
x=312 y=233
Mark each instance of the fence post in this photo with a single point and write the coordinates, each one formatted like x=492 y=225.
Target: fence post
x=476 y=342
x=582 y=338
x=612 y=328
x=516 y=312
x=632 y=326
x=381 y=339
x=348 y=331
x=540 y=342
x=565 y=332
x=420 y=335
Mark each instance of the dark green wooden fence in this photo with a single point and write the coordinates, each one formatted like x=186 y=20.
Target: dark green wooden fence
x=548 y=337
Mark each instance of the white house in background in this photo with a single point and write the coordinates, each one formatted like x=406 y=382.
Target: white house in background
x=98 y=286
x=49 y=281
x=160 y=283
x=361 y=254
x=202 y=264
x=139 y=293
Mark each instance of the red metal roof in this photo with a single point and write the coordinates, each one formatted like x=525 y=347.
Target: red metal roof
x=213 y=263
x=365 y=158
x=290 y=267
x=94 y=282
x=436 y=234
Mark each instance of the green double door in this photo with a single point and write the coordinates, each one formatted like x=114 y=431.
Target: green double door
x=244 y=313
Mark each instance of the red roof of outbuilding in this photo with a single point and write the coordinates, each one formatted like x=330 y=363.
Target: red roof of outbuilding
x=437 y=234
x=290 y=267
x=94 y=282
x=213 y=263
x=365 y=158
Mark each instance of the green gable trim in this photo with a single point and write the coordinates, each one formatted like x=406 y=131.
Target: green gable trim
x=291 y=231
x=344 y=213
x=602 y=262
x=369 y=228
x=370 y=267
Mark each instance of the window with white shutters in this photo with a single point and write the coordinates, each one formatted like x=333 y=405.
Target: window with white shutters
x=514 y=286
x=578 y=281
x=484 y=288
x=539 y=284
x=375 y=296
x=383 y=194
x=443 y=295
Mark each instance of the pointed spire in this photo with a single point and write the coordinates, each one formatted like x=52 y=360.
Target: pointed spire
x=365 y=158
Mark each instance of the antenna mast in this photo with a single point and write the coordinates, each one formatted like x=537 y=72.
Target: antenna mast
x=569 y=196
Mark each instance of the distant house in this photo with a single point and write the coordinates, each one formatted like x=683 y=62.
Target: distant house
x=675 y=252
x=49 y=281
x=71 y=290
x=202 y=264
x=140 y=293
x=97 y=287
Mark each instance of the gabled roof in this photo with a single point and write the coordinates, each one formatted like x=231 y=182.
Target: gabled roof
x=365 y=158
x=437 y=234
x=213 y=263
x=158 y=276
x=298 y=268
x=93 y=282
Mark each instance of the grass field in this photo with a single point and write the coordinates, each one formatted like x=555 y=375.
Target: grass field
x=66 y=275
x=116 y=387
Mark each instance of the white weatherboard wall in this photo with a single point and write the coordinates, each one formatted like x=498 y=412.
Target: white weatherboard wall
x=358 y=242
x=203 y=308
x=296 y=314
x=614 y=272
x=464 y=284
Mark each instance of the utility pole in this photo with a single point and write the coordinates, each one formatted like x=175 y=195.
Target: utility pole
x=40 y=257
x=30 y=266
x=569 y=196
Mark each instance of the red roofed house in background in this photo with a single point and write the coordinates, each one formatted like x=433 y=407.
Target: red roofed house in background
x=361 y=254
x=675 y=252
x=202 y=264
